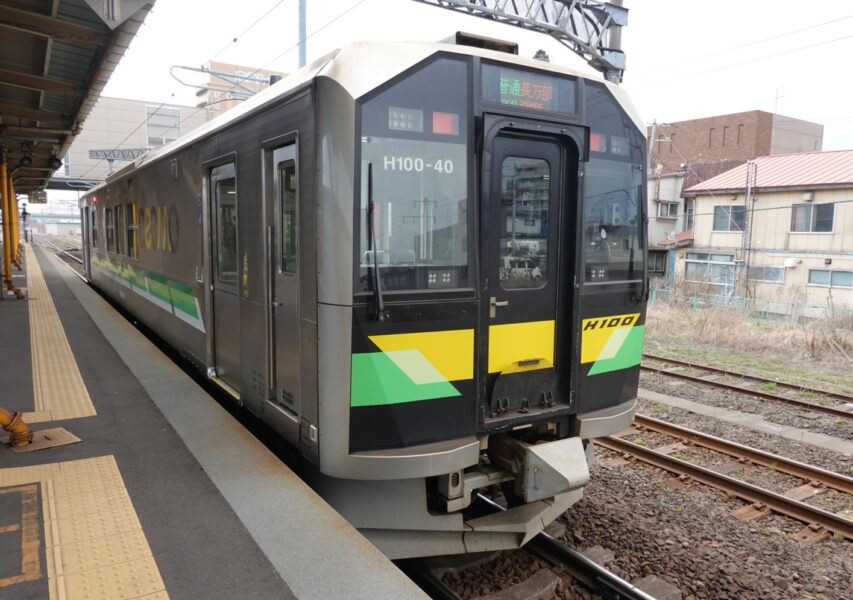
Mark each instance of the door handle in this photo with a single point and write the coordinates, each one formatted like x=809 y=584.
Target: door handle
x=493 y=304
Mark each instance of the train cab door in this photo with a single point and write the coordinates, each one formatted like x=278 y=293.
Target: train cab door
x=529 y=201
x=225 y=288
x=282 y=209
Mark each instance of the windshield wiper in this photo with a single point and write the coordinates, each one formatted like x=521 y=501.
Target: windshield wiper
x=380 y=314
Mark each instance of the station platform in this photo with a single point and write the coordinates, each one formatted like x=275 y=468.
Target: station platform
x=165 y=495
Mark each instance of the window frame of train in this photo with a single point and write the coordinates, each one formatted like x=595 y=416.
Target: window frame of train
x=410 y=128
x=93 y=238
x=120 y=229
x=217 y=182
x=132 y=230
x=109 y=226
x=616 y=151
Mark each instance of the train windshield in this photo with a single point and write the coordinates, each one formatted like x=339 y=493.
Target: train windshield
x=414 y=140
x=614 y=193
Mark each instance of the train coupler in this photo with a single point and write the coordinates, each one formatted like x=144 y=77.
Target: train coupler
x=541 y=470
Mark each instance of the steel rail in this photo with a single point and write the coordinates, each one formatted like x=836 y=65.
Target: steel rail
x=777 y=502
x=791 y=386
x=813 y=406
x=66 y=253
x=417 y=570
x=594 y=576
x=808 y=472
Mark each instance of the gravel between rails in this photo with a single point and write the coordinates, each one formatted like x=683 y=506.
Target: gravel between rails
x=772 y=411
x=806 y=453
x=686 y=536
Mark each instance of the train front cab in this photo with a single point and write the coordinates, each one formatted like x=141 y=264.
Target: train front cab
x=498 y=304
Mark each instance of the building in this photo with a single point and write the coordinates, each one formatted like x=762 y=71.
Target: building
x=685 y=153
x=739 y=137
x=786 y=236
x=120 y=130
x=229 y=85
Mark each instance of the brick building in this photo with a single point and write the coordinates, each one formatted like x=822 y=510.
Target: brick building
x=736 y=137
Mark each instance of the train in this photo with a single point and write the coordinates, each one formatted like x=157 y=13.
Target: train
x=421 y=264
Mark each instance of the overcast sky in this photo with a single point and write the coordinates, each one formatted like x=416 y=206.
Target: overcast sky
x=686 y=59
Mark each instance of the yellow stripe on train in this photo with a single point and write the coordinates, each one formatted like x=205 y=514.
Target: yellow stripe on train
x=602 y=337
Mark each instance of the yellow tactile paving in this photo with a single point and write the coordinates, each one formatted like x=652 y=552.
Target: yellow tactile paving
x=58 y=389
x=95 y=548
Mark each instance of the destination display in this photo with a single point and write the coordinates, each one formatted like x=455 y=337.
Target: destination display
x=525 y=89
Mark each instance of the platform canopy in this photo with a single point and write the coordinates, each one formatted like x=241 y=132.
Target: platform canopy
x=55 y=58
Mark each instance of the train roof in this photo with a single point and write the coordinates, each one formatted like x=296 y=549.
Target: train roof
x=359 y=68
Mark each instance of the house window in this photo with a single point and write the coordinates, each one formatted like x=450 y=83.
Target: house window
x=704 y=267
x=668 y=210
x=729 y=218
x=711 y=136
x=688 y=213
x=829 y=278
x=812 y=218
x=164 y=124
x=657 y=262
x=766 y=274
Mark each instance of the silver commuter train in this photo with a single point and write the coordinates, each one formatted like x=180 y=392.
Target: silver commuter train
x=422 y=264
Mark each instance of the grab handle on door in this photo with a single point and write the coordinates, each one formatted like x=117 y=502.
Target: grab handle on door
x=493 y=304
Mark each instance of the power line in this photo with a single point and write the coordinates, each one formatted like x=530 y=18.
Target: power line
x=257 y=21
x=747 y=45
x=740 y=64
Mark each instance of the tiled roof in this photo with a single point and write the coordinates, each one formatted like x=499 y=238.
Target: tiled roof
x=680 y=239
x=809 y=169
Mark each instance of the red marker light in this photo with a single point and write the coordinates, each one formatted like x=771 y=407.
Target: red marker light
x=445 y=123
x=597 y=142
x=94 y=198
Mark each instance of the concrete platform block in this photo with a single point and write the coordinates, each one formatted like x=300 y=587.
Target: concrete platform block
x=598 y=555
x=660 y=589
x=539 y=586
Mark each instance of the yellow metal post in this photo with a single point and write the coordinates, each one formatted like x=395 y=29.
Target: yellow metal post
x=13 y=222
x=14 y=424
x=16 y=225
x=7 y=245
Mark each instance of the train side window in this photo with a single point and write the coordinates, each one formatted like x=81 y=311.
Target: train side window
x=108 y=220
x=225 y=201
x=132 y=228
x=289 y=230
x=121 y=226
x=94 y=236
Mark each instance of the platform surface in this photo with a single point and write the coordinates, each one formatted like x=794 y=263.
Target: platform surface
x=165 y=495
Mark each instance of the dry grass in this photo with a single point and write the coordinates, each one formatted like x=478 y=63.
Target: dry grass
x=671 y=323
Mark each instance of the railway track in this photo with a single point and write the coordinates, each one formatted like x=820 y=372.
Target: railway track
x=75 y=263
x=562 y=558
x=836 y=411
x=819 y=519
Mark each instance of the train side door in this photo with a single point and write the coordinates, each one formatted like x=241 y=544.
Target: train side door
x=226 y=309
x=285 y=279
x=525 y=195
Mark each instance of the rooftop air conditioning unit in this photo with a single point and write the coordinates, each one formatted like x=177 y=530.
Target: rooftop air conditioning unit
x=808 y=197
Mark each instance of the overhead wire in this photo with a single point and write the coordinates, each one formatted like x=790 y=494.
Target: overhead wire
x=741 y=46
x=234 y=40
x=739 y=64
